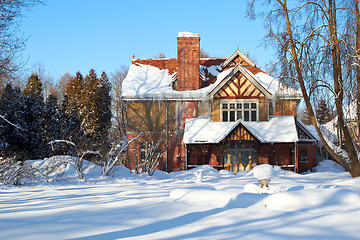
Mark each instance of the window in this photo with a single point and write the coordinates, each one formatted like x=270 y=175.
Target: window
x=303 y=155
x=142 y=152
x=233 y=110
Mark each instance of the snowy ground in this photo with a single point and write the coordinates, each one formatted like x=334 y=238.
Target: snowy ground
x=197 y=204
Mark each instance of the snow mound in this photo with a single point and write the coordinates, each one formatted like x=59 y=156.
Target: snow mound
x=263 y=171
x=192 y=174
x=161 y=174
x=253 y=188
x=226 y=172
x=292 y=201
x=329 y=166
x=203 y=197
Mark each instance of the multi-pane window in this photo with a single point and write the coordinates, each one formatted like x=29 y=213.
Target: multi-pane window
x=232 y=111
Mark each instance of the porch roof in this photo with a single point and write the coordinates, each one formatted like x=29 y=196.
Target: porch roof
x=279 y=129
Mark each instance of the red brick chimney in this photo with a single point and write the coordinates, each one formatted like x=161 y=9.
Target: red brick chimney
x=188 y=59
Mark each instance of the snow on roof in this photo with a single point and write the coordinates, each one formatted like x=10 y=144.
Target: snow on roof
x=203 y=130
x=274 y=86
x=146 y=79
x=149 y=82
x=279 y=129
x=152 y=79
x=187 y=34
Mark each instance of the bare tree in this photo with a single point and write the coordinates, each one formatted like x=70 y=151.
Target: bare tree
x=150 y=155
x=312 y=52
x=119 y=106
x=11 y=42
x=160 y=55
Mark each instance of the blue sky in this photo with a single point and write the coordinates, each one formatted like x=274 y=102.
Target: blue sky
x=77 y=35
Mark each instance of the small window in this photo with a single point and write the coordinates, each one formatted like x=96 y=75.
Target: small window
x=238 y=115
x=232 y=116
x=246 y=105
x=246 y=115
x=303 y=155
x=239 y=106
x=142 y=154
x=253 y=105
x=232 y=105
x=225 y=106
x=225 y=116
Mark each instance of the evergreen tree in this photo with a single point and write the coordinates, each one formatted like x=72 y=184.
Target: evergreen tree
x=74 y=92
x=51 y=119
x=34 y=88
x=304 y=116
x=34 y=117
x=13 y=130
x=323 y=113
x=103 y=107
x=89 y=116
x=69 y=129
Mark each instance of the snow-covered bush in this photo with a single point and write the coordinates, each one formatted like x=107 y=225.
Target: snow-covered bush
x=329 y=166
x=16 y=172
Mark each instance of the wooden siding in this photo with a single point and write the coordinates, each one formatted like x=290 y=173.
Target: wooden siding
x=263 y=110
x=240 y=134
x=215 y=110
x=285 y=107
x=239 y=87
x=204 y=108
x=150 y=116
x=237 y=60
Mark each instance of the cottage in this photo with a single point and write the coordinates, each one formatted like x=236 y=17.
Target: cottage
x=225 y=112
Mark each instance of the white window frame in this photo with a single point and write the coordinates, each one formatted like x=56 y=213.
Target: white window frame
x=235 y=101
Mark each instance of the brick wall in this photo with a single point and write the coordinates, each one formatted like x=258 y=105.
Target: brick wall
x=188 y=58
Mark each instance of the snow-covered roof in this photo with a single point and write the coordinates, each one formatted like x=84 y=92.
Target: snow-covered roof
x=146 y=81
x=154 y=78
x=203 y=130
x=279 y=129
x=274 y=86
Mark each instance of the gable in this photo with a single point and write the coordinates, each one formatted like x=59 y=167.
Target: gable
x=238 y=58
x=239 y=87
x=240 y=133
x=240 y=83
x=303 y=131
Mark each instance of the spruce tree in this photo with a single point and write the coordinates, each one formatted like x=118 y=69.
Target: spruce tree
x=34 y=117
x=103 y=107
x=51 y=119
x=89 y=116
x=323 y=113
x=13 y=130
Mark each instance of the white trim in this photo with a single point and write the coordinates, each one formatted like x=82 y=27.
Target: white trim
x=250 y=77
x=240 y=54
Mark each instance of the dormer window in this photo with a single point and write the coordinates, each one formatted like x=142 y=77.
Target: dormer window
x=233 y=110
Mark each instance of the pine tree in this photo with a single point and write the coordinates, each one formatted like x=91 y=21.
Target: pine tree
x=13 y=132
x=69 y=129
x=34 y=117
x=304 y=116
x=323 y=113
x=51 y=119
x=103 y=108
x=34 y=87
x=74 y=92
x=90 y=120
